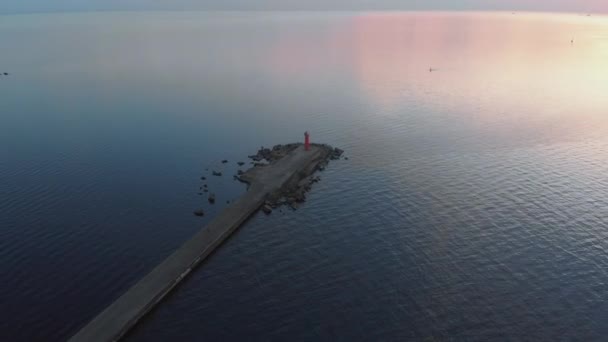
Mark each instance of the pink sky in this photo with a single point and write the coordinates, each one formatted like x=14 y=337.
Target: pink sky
x=578 y=6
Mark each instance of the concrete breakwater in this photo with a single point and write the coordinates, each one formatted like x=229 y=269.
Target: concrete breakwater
x=290 y=166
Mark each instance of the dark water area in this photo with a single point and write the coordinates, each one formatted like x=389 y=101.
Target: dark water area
x=473 y=205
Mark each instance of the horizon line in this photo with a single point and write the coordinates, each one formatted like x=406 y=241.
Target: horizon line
x=75 y=11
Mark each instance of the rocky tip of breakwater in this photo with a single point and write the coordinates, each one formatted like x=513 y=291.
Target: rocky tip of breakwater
x=294 y=193
x=290 y=195
x=279 y=151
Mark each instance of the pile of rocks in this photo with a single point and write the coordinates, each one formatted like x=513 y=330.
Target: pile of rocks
x=272 y=154
x=295 y=193
x=336 y=154
x=291 y=195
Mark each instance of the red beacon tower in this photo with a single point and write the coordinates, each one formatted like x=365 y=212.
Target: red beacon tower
x=306 y=141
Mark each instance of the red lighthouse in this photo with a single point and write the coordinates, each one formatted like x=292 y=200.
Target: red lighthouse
x=306 y=141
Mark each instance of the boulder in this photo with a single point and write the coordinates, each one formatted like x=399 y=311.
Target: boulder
x=224 y=161
x=267 y=209
x=266 y=152
x=336 y=153
x=199 y=212
x=216 y=173
x=300 y=197
x=212 y=198
x=241 y=163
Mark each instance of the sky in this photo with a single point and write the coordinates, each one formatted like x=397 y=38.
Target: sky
x=578 y=6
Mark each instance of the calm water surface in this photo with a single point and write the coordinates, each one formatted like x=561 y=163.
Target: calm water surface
x=473 y=206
